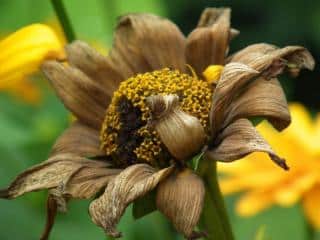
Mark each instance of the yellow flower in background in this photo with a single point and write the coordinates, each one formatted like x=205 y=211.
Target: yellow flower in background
x=21 y=55
x=266 y=185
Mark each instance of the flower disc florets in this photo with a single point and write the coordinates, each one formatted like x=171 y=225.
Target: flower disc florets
x=126 y=135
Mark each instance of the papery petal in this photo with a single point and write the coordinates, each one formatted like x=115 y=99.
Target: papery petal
x=234 y=89
x=132 y=183
x=180 y=132
x=234 y=77
x=246 y=54
x=238 y=140
x=208 y=43
x=96 y=66
x=261 y=98
x=145 y=42
x=79 y=93
x=23 y=51
x=262 y=56
x=311 y=206
x=64 y=172
x=269 y=62
x=78 y=139
x=180 y=197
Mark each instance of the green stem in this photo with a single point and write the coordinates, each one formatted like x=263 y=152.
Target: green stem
x=214 y=219
x=311 y=232
x=63 y=19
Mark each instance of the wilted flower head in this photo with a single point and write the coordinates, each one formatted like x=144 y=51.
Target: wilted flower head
x=147 y=108
x=265 y=185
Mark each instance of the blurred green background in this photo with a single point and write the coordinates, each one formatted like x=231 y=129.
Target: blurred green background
x=28 y=131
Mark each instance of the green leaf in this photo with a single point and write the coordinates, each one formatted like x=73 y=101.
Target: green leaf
x=144 y=205
x=196 y=159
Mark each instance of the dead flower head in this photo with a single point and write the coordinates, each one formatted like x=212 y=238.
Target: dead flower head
x=154 y=102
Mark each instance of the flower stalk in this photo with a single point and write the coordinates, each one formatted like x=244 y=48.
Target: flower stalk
x=214 y=220
x=64 y=19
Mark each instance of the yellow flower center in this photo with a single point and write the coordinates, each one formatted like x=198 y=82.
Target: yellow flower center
x=126 y=135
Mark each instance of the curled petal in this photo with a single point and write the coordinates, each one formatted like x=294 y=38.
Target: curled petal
x=78 y=139
x=263 y=56
x=180 y=197
x=145 y=42
x=246 y=55
x=96 y=66
x=79 y=93
x=240 y=139
x=209 y=42
x=180 y=132
x=66 y=172
x=132 y=183
x=235 y=91
x=234 y=77
x=261 y=98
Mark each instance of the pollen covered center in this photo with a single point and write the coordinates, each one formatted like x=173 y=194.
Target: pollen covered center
x=126 y=135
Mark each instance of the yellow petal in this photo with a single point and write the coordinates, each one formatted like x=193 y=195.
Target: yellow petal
x=303 y=128
x=317 y=135
x=311 y=205
x=253 y=202
x=27 y=91
x=23 y=51
x=290 y=192
x=253 y=180
x=212 y=73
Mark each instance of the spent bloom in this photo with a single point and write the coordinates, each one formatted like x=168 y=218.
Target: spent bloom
x=265 y=185
x=147 y=108
x=22 y=52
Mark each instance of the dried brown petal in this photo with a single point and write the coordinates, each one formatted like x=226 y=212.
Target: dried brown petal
x=65 y=173
x=88 y=180
x=240 y=139
x=234 y=77
x=80 y=94
x=261 y=98
x=78 y=139
x=96 y=66
x=180 y=132
x=262 y=56
x=132 y=183
x=180 y=198
x=144 y=42
x=246 y=55
x=208 y=43
x=234 y=93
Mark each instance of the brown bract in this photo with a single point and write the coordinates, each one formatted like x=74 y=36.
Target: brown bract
x=247 y=87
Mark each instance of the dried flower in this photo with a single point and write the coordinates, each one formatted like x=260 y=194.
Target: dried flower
x=158 y=115
x=265 y=185
x=22 y=52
